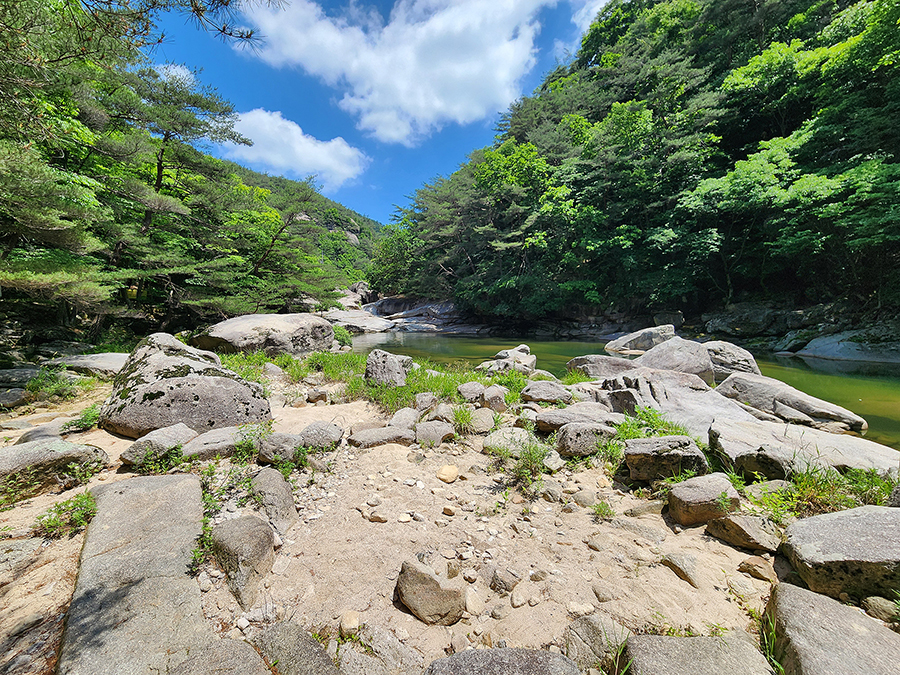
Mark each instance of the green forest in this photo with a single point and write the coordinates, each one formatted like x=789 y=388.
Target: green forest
x=694 y=153
x=108 y=204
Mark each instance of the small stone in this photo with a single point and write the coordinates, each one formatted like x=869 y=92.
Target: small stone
x=470 y=576
x=242 y=623
x=374 y=500
x=501 y=611
x=538 y=575
x=349 y=623
x=377 y=517
x=448 y=473
x=534 y=601
x=448 y=511
x=880 y=608
x=518 y=598
x=474 y=604
x=577 y=609
x=458 y=643
x=759 y=568
x=404 y=518
x=504 y=581
x=205 y=585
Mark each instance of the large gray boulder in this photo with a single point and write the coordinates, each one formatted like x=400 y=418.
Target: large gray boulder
x=321 y=435
x=165 y=382
x=505 y=661
x=777 y=450
x=279 y=446
x=245 y=549
x=815 y=635
x=659 y=457
x=106 y=365
x=276 y=497
x=855 y=552
x=776 y=397
x=223 y=657
x=756 y=533
x=600 y=365
x=388 y=369
x=641 y=340
x=728 y=358
x=544 y=391
x=730 y=654
x=294 y=650
x=429 y=434
x=274 y=334
x=552 y=419
x=434 y=600
x=582 y=439
x=597 y=639
x=700 y=499
x=158 y=443
x=216 y=443
x=684 y=356
x=369 y=438
x=358 y=320
x=46 y=464
x=135 y=608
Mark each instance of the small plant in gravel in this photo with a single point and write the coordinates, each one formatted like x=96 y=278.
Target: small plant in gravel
x=86 y=420
x=462 y=420
x=603 y=511
x=17 y=486
x=82 y=473
x=50 y=382
x=529 y=467
x=251 y=436
x=68 y=517
x=153 y=462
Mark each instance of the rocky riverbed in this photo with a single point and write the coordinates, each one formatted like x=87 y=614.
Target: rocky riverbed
x=403 y=542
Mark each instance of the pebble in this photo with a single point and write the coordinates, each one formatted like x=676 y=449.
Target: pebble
x=349 y=623
x=448 y=511
x=404 y=518
x=374 y=500
x=418 y=517
x=242 y=623
x=448 y=473
x=376 y=517
x=577 y=609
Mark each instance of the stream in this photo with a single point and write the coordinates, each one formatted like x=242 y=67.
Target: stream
x=868 y=389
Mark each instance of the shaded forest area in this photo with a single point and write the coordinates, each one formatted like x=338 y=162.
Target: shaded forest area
x=108 y=204
x=693 y=154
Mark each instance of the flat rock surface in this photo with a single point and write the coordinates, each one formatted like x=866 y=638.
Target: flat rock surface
x=504 y=662
x=700 y=499
x=294 y=334
x=135 y=608
x=671 y=655
x=855 y=552
x=683 y=356
x=815 y=635
x=600 y=365
x=45 y=461
x=663 y=456
x=756 y=533
x=223 y=657
x=641 y=340
x=104 y=365
x=358 y=320
x=294 y=650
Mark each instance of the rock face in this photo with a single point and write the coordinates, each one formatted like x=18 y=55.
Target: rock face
x=698 y=500
x=506 y=661
x=277 y=499
x=135 y=608
x=776 y=397
x=430 y=598
x=546 y=392
x=663 y=456
x=684 y=356
x=855 y=552
x=386 y=368
x=165 y=382
x=853 y=346
x=669 y=655
x=581 y=439
x=727 y=358
x=756 y=533
x=294 y=334
x=815 y=635
x=158 y=443
x=599 y=365
x=294 y=650
x=223 y=657
x=245 y=548
x=358 y=321
x=44 y=463
x=775 y=450
x=552 y=419
x=99 y=365
x=597 y=639
x=641 y=340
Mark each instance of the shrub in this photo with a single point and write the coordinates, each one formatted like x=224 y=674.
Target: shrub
x=51 y=382
x=68 y=517
x=343 y=336
x=603 y=511
x=86 y=420
x=462 y=420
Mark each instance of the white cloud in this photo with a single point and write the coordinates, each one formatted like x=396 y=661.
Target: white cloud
x=175 y=71
x=585 y=12
x=431 y=63
x=279 y=145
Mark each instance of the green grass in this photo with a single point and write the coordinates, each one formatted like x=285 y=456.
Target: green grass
x=153 y=463
x=529 y=467
x=576 y=377
x=86 y=420
x=603 y=511
x=462 y=420
x=343 y=336
x=18 y=486
x=50 y=382
x=68 y=517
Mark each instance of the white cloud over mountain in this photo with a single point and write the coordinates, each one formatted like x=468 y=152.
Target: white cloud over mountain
x=281 y=146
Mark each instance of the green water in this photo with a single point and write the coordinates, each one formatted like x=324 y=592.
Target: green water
x=869 y=390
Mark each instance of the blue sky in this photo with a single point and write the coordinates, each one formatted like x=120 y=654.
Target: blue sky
x=377 y=98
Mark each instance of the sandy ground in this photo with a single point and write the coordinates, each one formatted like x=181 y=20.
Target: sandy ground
x=337 y=560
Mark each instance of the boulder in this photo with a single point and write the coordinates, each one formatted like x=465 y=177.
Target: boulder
x=756 y=533
x=223 y=657
x=384 y=368
x=320 y=435
x=856 y=552
x=546 y=392
x=552 y=419
x=442 y=413
x=294 y=650
x=597 y=639
x=776 y=397
x=507 y=441
x=599 y=365
x=894 y=499
x=32 y=468
x=659 y=457
x=471 y=391
x=433 y=600
x=684 y=565
x=245 y=549
x=727 y=358
x=582 y=439
x=48 y=431
x=278 y=446
x=815 y=635
x=855 y=345
x=429 y=434
x=165 y=382
x=104 y=366
x=216 y=443
x=494 y=397
x=274 y=334
x=700 y=499
x=777 y=450
x=405 y=418
x=482 y=420
x=505 y=661
x=731 y=654
x=12 y=397
x=276 y=497
x=135 y=608
x=425 y=400
x=358 y=320
x=17 y=377
x=158 y=443
x=369 y=438
x=641 y=340
x=683 y=356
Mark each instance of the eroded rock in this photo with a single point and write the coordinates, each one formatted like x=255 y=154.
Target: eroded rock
x=274 y=334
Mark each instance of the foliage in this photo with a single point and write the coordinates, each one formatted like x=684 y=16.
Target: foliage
x=603 y=511
x=153 y=462
x=645 y=422
x=530 y=464
x=15 y=487
x=462 y=420
x=68 y=517
x=52 y=382
x=343 y=336
x=86 y=420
